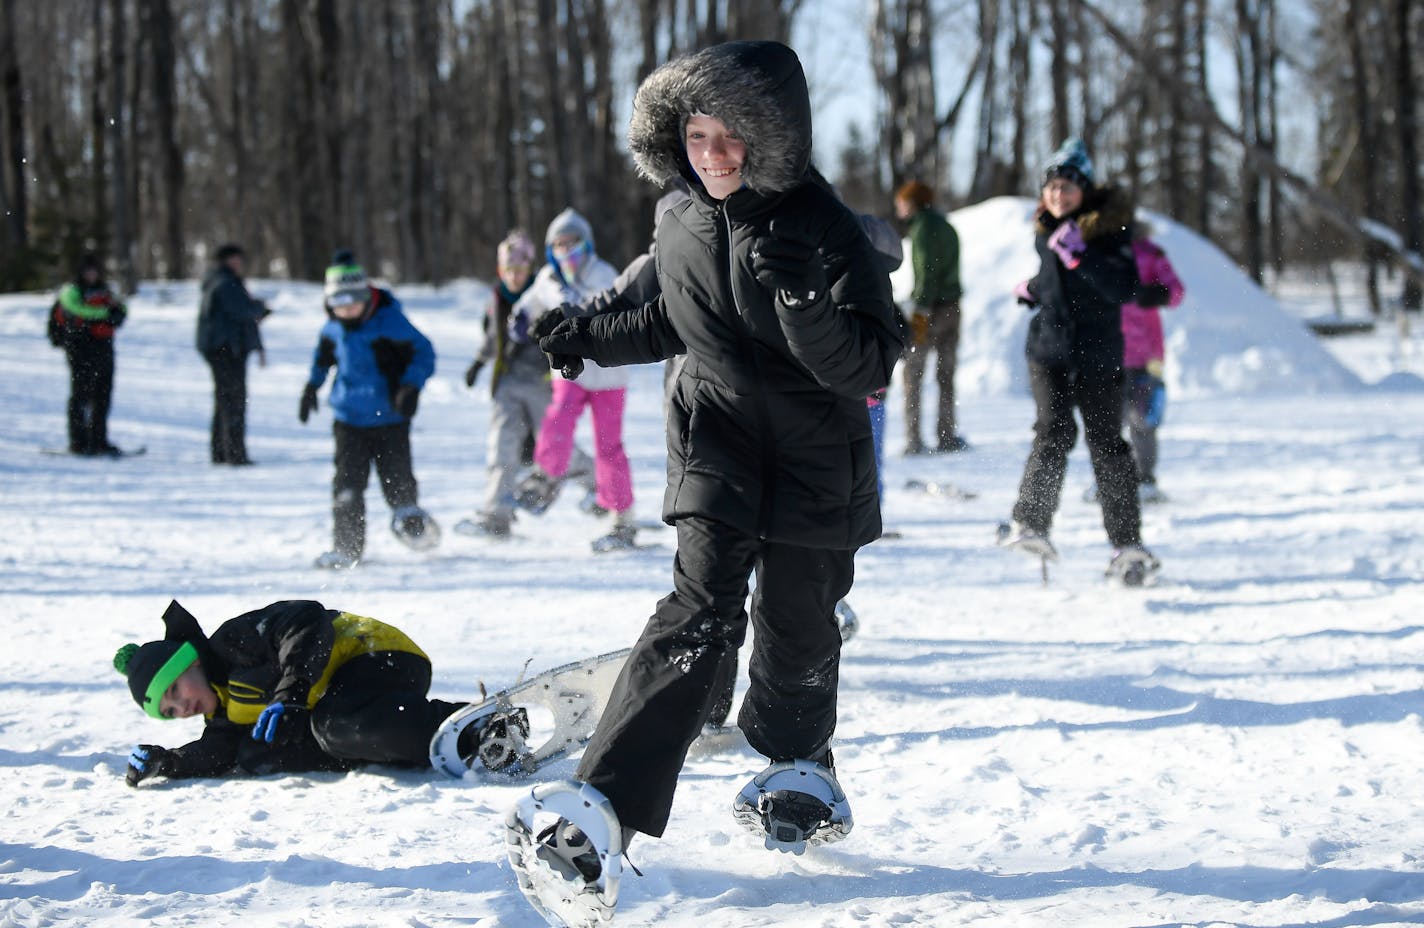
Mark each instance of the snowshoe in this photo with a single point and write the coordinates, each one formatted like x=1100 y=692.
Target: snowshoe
x=337 y=560
x=415 y=529
x=496 y=740
x=1148 y=494
x=537 y=492
x=954 y=444
x=1133 y=565
x=589 y=504
x=846 y=621
x=624 y=537
x=1018 y=537
x=794 y=804
x=570 y=871
x=488 y=526
x=943 y=490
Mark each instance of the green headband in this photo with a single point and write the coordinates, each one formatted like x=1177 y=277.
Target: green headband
x=171 y=670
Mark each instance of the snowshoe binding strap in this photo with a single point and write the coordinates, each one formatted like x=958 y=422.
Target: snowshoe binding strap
x=498 y=741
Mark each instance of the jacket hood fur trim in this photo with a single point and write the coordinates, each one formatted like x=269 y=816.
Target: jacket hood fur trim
x=756 y=88
x=1105 y=210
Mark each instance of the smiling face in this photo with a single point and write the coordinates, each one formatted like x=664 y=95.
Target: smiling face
x=715 y=154
x=1062 y=197
x=189 y=695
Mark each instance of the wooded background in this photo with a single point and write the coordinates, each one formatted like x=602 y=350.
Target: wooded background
x=418 y=131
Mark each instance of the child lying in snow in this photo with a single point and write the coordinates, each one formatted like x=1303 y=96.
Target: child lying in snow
x=293 y=686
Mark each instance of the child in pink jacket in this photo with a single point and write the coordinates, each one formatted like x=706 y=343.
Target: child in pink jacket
x=1144 y=393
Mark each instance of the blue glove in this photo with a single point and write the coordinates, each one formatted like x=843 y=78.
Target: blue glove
x=279 y=723
x=146 y=760
x=1156 y=405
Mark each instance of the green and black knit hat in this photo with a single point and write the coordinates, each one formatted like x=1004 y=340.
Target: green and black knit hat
x=151 y=669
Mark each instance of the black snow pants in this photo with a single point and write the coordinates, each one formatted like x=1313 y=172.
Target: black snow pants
x=376 y=710
x=687 y=650
x=228 y=441
x=1056 y=392
x=91 y=388
x=357 y=448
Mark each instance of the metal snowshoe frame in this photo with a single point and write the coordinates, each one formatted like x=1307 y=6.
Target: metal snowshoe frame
x=768 y=806
x=561 y=899
x=574 y=694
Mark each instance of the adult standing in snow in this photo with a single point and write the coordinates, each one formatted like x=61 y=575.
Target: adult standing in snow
x=382 y=361
x=82 y=321
x=1144 y=350
x=574 y=273
x=773 y=292
x=519 y=390
x=291 y=687
x=1075 y=352
x=934 y=319
x=227 y=334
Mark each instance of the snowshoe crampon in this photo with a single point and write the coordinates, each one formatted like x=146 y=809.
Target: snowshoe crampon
x=496 y=739
x=1017 y=537
x=793 y=804
x=414 y=528
x=1133 y=566
x=537 y=492
x=570 y=883
x=846 y=621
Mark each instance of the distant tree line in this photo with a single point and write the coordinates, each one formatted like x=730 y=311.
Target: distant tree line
x=418 y=131
x=1136 y=79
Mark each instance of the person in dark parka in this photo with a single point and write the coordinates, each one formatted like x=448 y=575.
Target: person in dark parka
x=227 y=334
x=1074 y=348
x=770 y=288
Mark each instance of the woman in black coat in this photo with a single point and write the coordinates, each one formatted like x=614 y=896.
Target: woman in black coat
x=772 y=291
x=1074 y=348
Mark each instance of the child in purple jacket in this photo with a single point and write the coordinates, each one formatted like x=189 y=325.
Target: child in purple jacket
x=1144 y=393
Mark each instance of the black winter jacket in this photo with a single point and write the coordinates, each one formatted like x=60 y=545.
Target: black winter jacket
x=285 y=652
x=767 y=425
x=228 y=315
x=1078 y=324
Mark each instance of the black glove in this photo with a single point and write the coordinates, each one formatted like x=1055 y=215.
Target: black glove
x=148 y=760
x=472 y=373
x=549 y=320
x=1150 y=295
x=263 y=310
x=118 y=312
x=788 y=262
x=407 y=398
x=309 y=403
x=567 y=345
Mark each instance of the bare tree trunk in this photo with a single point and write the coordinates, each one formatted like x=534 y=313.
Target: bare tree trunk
x=99 y=133
x=1407 y=104
x=1059 y=69
x=158 y=22
x=1355 y=25
x=119 y=172
x=17 y=208
x=1205 y=162
x=1248 y=83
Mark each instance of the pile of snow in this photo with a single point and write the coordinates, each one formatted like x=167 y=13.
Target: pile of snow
x=1229 y=337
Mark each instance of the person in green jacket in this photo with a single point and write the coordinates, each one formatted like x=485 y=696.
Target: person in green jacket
x=934 y=322
x=82 y=322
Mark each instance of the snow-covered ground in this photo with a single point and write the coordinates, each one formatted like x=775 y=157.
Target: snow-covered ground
x=1239 y=745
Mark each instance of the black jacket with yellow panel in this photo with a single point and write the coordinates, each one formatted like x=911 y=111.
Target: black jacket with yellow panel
x=286 y=652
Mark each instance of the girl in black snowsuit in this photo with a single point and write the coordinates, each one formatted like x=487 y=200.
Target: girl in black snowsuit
x=82 y=322
x=772 y=291
x=1074 y=348
x=291 y=687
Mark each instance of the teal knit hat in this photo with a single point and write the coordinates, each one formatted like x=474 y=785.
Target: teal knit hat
x=1071 y=162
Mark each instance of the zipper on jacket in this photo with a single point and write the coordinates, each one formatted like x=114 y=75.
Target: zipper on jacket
x=768 y=457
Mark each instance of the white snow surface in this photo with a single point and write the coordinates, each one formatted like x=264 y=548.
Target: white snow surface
x=1238 y=745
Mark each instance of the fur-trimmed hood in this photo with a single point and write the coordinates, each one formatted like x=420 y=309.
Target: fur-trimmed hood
x=1105 y=210
x=757 y=88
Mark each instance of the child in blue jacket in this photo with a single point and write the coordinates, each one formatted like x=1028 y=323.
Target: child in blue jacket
x=382 y=362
